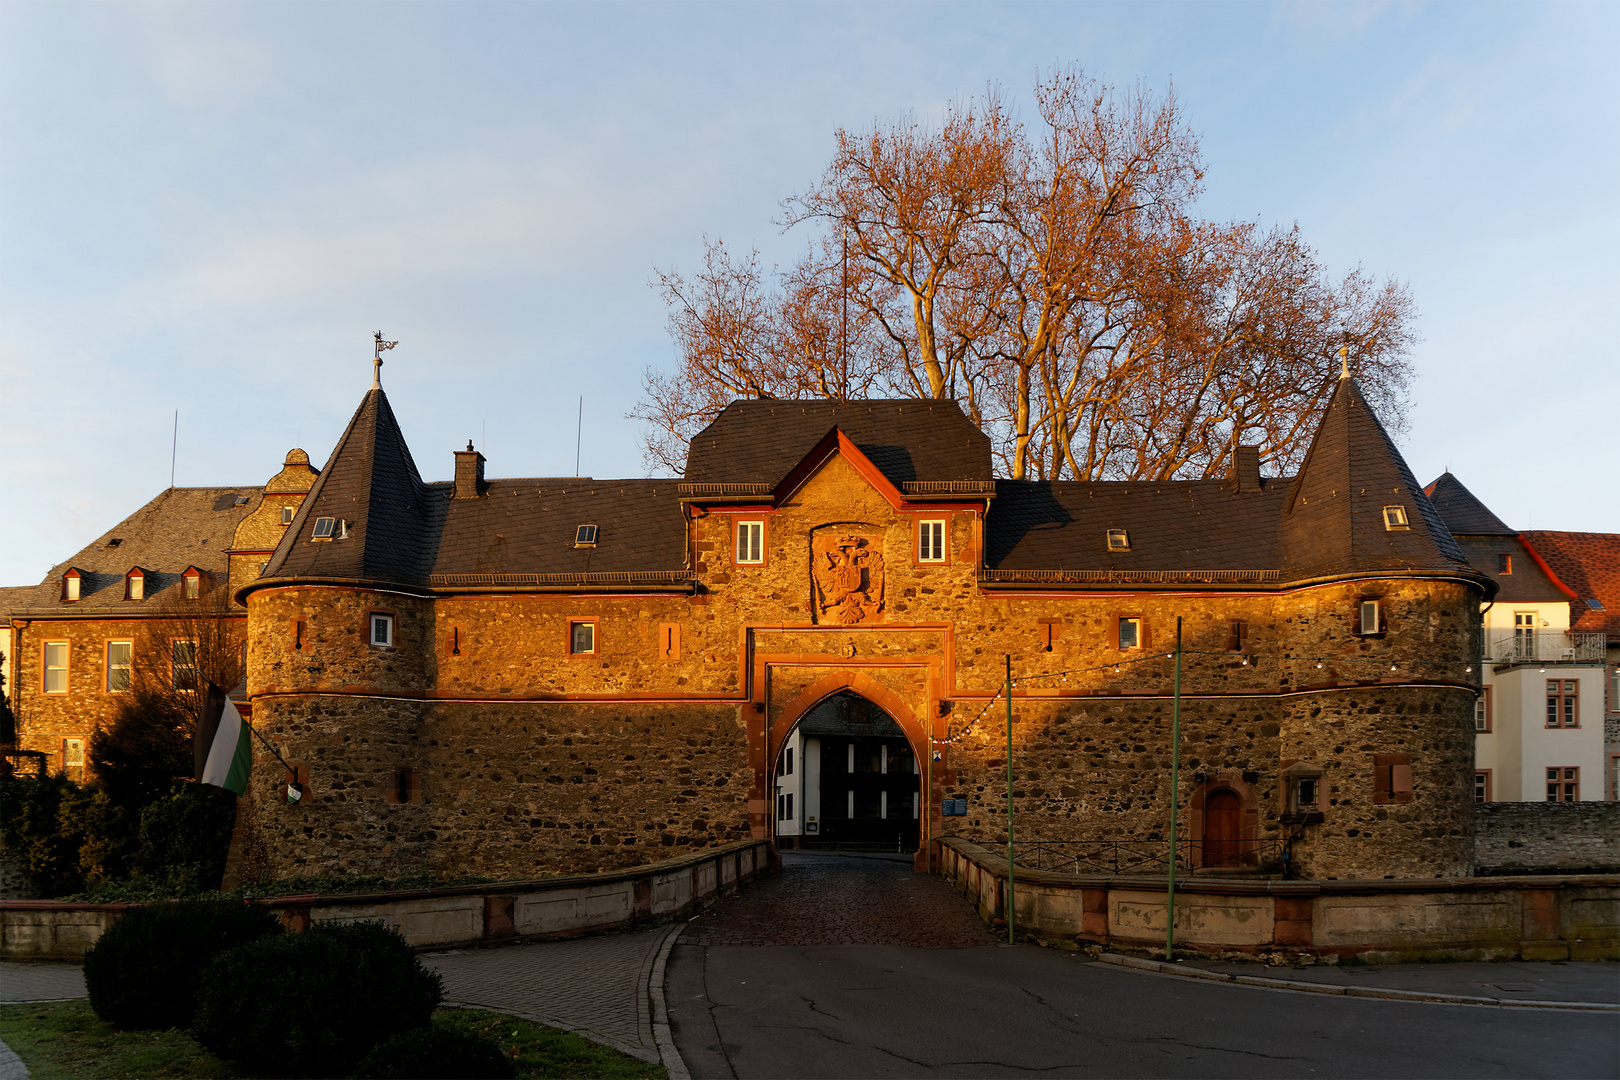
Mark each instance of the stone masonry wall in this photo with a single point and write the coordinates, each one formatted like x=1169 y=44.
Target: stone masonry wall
x=1565 y=838
x=533 y=760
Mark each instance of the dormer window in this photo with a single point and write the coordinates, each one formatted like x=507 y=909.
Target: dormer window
x=1119 y=540
x=135 y=584
x=70 y=585
x=191 y=583
x=1395 y=518
x=585 y=536
x=286 y=515
x=325 y=528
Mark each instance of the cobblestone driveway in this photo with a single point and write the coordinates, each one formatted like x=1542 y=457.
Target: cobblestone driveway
x=828 y=899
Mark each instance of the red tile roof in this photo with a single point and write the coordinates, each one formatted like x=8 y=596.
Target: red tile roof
x=1589 y=563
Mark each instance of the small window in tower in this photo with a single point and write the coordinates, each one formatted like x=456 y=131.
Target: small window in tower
x=585 y=536
x=1504 y=564
x=1395 y=518
x=382 y=630
x=1119 y=540
x=1372 y=621
x=325 y=527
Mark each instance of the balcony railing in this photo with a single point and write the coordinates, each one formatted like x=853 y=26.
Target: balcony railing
x=1548 y=647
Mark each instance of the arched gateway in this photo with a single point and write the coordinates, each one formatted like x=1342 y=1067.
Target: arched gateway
x=847 y=777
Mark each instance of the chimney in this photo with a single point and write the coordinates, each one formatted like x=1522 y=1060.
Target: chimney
x=1246 y=468
x=469 y=473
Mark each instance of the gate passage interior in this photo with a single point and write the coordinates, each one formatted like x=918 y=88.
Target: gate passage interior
x=847 y=778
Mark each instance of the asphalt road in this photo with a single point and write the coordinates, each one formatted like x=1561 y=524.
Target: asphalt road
x=815 y=1005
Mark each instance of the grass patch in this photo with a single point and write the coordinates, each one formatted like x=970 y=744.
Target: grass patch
x=64 y=1040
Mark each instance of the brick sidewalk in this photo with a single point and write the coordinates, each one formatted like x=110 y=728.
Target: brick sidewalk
x=595 y=986
x=828 y=899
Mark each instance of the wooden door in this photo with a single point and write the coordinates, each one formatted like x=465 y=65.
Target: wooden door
x=1223 y=824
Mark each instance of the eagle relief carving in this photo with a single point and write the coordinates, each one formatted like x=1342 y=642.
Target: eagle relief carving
x=847 y=571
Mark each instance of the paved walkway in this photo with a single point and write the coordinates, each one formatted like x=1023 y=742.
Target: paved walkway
x=39 y=982
x=596 y=986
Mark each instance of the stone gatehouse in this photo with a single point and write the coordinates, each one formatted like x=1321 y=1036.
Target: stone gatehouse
x=531 y=676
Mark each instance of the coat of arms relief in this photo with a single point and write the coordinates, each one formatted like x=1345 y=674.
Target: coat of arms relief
x=846 y=570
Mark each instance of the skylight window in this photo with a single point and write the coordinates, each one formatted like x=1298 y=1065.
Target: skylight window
x=585 y=536
x=1119 y=540
x=1395 y=518
x=325 y=528
x=241 y=500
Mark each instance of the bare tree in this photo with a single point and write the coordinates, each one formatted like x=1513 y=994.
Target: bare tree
x=1057 y=285
x=194 y=640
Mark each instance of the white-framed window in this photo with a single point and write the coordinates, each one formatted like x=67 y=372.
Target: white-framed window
x=382 y=630
x=1372 y=617
x=183 y=662
x=581 y=638
x=931 y=541
x=56 y=667
x=1130 y=632
x=1482 y=712
x=120 y=656
x=286 y=515
x=1564 y=784
x=750 y=541
x=1119 y=540
x=1563 y=703
x=1395 y=518
x=70 y=585
x=135 y=585
x=1482 y=785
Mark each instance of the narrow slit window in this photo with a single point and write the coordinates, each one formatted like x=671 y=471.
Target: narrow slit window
x=750 y=541
x=931 y=541
x=1372 y=621
x=1395 y=518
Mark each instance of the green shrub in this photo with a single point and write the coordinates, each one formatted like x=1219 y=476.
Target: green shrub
x=314 y=1003
x=185 y=836
x=427 y=1053
x=145 y=970
x=31 y=831
x=102 y=831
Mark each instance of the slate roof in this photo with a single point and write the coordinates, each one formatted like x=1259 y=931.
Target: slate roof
x=760 y=441
x=1464 y=514
x=400 y=529
x=1333 y=522
x=1589 y=563
x=1527 y=584
x=181 y=527
x=1181 y=525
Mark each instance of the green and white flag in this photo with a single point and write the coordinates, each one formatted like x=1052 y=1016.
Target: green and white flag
x=224 y=750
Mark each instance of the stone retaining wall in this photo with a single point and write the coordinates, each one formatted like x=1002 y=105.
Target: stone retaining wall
x=1570 y=917
x=1544 y=837
x=460 y=915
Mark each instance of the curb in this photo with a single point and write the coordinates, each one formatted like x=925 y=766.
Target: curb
x=1162 y=968
x=660 y=1010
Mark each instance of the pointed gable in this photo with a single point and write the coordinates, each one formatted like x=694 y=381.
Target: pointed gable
x=1463 y=513
x=1334 y=522
x=379 y=508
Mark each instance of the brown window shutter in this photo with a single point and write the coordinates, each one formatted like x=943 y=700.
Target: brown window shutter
x=1382 y=788
x=1242 y=635
x=1234 y=636
x=1400 y=779
x=1147 y=635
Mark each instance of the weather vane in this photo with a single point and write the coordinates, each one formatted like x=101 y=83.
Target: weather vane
x=376 y=359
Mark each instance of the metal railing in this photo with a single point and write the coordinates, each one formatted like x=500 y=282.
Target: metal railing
x=1062 y=577
x=1548 y=647
x=1148 y=856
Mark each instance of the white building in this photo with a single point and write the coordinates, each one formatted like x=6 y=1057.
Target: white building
x=1539 y=724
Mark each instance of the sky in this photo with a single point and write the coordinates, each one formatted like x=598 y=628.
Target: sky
x=209 y=208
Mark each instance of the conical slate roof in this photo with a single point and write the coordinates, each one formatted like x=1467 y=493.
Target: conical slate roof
x=371 y=486
x=1334 y=520
x=1464 y=514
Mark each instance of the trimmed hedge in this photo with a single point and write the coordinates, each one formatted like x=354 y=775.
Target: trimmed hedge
x=429 y=1053
x=145 y=970
x=315 y=1003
